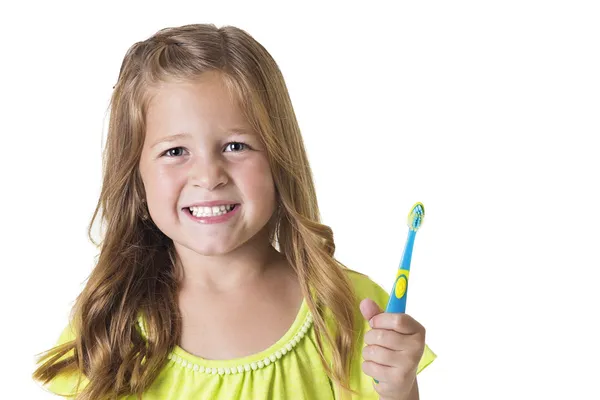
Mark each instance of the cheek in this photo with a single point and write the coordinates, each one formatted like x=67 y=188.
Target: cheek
x=161 y=182
x=257 y=179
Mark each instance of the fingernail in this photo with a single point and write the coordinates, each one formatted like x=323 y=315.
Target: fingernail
x=371 y=322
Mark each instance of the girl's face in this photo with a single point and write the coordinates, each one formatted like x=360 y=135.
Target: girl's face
x=198 y=149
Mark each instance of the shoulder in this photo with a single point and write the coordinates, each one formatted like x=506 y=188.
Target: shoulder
x=365 y=287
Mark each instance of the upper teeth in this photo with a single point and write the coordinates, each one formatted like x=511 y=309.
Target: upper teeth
x=211 y=211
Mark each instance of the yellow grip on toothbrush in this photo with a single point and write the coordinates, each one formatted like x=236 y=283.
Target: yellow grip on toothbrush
x=401 y=283
x=397 y=300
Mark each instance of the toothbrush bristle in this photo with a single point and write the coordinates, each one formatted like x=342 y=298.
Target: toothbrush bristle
x=415 y=218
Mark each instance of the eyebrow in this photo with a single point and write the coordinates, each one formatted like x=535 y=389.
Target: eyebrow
x=172 y=138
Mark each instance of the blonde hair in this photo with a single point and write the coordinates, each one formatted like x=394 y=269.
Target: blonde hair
x=136 y=268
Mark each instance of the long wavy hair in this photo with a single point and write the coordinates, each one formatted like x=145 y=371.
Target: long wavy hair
x=136 y=270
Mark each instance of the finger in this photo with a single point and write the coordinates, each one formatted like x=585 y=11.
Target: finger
x=375 y=370
x=381 y=355
x=369 y=309
x=386 y=338
x=399 y=377
x=399 y=322
x=382 y=373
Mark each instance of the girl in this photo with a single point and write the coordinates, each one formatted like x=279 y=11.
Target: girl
x=215 y=278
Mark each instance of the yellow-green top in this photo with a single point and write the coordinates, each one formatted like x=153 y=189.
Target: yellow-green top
x=289 y=369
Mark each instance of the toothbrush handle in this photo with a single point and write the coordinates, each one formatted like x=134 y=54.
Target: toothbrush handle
x=397 y=301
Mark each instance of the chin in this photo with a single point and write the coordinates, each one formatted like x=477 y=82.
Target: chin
x=211 y=249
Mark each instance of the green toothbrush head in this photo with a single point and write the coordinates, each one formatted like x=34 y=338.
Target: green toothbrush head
x=415 y=217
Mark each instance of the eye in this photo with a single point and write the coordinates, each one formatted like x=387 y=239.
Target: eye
x=171 y=154
x=236 y=147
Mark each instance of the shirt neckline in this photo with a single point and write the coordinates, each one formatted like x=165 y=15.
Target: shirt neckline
x=274 y=352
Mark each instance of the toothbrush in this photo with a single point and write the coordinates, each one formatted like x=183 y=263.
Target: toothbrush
x=397 y=301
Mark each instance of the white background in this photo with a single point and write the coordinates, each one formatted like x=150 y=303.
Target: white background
x=487 y=112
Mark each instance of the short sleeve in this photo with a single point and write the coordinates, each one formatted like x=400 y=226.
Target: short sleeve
x=426 y=359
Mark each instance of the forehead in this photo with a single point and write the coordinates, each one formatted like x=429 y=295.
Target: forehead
x=200 y=104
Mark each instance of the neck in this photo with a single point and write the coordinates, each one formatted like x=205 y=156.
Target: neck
x=227 y=272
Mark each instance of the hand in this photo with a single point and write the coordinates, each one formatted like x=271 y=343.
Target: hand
x=395 y=345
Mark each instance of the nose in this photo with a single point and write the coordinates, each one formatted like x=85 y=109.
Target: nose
x=207 y=173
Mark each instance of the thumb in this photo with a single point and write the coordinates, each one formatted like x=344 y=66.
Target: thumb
x=369 y=309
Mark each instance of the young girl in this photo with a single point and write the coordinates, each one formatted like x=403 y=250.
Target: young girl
x=215 y=278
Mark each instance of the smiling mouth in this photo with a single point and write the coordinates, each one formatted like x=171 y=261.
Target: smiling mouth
x=213 y=211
